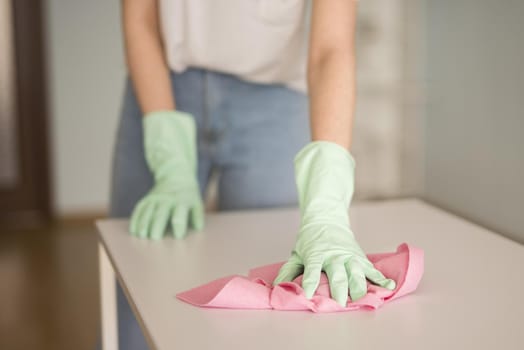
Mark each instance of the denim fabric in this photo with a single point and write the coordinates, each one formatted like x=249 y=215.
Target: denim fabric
x=247 y=132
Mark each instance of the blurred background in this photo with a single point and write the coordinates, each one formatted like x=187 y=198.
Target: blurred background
x=439 y=116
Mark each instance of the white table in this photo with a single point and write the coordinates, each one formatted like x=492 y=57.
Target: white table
x=471 y=296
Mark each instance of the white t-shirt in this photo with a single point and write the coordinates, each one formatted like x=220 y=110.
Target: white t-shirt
x=263 y=41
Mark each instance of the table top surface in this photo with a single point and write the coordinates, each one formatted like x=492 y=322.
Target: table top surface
x=471 y=295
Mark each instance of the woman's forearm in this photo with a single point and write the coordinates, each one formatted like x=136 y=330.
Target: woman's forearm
x=145 y=57
x=331 y=71
x=331 y=83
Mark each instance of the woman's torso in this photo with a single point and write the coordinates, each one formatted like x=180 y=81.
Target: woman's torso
x=263 y=41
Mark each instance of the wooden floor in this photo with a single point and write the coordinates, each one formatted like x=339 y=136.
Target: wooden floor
x=49 y=288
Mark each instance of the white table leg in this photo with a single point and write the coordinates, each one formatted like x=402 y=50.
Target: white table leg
x=108 y=301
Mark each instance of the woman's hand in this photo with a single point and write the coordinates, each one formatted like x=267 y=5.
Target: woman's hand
x=331 y=247
x=170 y=149
x=324 y=174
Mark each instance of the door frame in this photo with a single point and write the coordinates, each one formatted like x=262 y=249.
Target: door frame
x=28 y=203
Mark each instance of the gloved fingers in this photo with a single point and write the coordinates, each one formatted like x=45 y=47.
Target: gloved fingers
x=379 y=279
x=289 y=270
x=144 y=220
x=356 y=280
x=179 y=221
x=311 y=278
x=160 y=220
x=197 y=217
x=338 y=282
x=135 y=216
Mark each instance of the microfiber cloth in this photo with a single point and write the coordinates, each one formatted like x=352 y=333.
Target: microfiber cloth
x=256 y=291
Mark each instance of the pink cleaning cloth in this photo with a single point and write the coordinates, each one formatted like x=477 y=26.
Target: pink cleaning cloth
x=405 y=267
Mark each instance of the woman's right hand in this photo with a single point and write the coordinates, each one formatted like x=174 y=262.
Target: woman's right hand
x=174 y=200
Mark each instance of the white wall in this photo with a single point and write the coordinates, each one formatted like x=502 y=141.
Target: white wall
x=474 y=144
x=475 y=115
x=387 y=133
x=86 y=81
x=87 y=70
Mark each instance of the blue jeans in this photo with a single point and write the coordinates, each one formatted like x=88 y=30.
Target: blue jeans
x=247 y=132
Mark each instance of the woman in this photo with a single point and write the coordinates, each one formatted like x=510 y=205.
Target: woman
x=221 y=85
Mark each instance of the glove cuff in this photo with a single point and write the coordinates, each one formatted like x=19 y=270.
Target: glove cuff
x=324 y=173
x=170 y=143
x=326 y=147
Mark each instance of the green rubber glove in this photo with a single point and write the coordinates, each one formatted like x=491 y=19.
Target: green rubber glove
x=324 y=174
x=170 y=151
